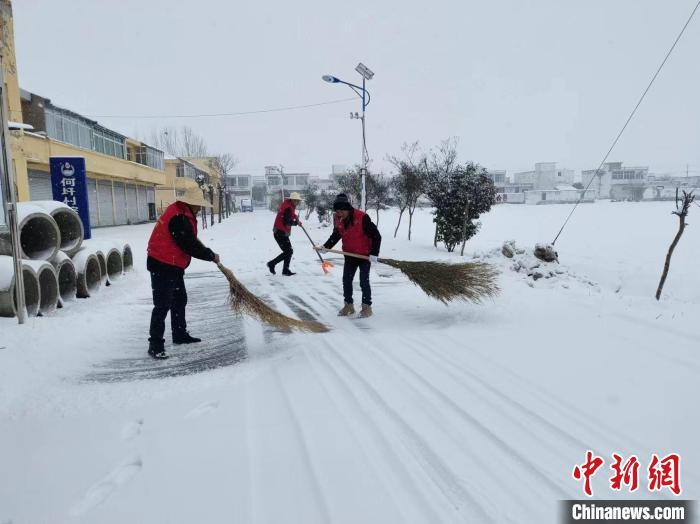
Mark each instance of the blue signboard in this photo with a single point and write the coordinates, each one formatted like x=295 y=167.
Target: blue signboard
x=69 y=186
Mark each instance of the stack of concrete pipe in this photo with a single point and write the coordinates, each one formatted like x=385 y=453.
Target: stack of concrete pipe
x=57 y=264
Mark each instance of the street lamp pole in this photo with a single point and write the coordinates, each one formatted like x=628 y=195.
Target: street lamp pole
x=365 y=96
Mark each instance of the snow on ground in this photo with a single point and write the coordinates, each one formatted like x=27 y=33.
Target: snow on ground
x=424 y=413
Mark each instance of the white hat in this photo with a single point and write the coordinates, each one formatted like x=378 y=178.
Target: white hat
x=194 y=197
x=295 y=196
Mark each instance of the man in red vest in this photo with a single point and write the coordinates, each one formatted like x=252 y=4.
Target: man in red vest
x=285 y=219
x=171 y=247
x=360 y=236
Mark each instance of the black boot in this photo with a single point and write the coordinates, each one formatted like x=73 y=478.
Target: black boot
x=185 y=338
x=157 y=351
x=271 y=267
x=287 y=273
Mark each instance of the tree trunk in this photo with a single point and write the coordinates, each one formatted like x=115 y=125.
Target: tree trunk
x=667 y=265
x=396 y=231
x=464 y=229
x=377 y=217
x=435 y=237
x=410 y=223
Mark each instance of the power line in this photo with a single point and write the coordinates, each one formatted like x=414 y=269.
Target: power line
x=628 y=120
x=239 y=113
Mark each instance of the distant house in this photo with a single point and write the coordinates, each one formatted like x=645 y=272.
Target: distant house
x=546 y=175
x=617 y=182
x=239 y=187
x=280 y=184
x=563 y=194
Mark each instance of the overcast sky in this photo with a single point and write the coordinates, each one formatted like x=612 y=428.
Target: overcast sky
x=517 y=81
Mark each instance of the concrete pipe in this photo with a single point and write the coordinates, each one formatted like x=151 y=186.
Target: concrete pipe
x=68 y=222
x=127 y=258
x=48 y=285
x=67 y=278
x=115 y=264
x=39 y=236
x=32 y=292
x=88 y=273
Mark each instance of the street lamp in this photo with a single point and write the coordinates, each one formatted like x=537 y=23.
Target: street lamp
x=365 y=96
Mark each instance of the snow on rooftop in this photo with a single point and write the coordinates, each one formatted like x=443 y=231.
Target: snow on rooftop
x=19 y=125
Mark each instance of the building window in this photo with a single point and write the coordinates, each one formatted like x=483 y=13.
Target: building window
x=108 y=143
x=149 y=156
x=303 y=180
x=544 y=196
x=273 y=180
x=288 y=180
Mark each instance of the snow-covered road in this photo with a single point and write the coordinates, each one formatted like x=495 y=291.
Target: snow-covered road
x=424 y=413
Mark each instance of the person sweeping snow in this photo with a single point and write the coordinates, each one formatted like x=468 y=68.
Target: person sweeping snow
x=282 y=228
x=171 y=247
x=361 y=237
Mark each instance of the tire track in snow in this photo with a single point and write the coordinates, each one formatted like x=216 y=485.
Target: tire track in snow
x=374 y=444
x=449 y=370
x=482 y=428
x=435 y=468
x=323 y=506
x=563 y=408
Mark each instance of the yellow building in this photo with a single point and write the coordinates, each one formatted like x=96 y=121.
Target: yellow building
x=180 y=175
x=214 y=186
x=122 y=172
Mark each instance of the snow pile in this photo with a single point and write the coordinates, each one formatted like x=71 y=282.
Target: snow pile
x=512 y=257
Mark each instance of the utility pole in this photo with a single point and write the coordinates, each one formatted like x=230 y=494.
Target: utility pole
x=281 y=170
x=8 y=201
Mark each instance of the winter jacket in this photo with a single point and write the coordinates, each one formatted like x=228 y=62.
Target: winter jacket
x=286 y=217
x=358 y=232
x=173 y=241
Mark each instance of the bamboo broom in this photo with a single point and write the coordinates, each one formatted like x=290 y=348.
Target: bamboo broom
x=243 y=301
x=468 y=281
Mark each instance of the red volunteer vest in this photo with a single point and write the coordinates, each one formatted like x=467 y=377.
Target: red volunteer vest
x=161 y=245
x=354 y=238
x=279 y=219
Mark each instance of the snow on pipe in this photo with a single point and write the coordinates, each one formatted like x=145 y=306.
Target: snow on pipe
x=39 y=236
x=67 y=278
x=89 y=275
x=68 y=222
x=48 y=285
x=127 y=258
x=32 y=291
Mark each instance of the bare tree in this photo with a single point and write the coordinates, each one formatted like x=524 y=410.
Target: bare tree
x=182 y=142
x=682 y=206
x=224 y=163
x=377 y=193
x=408 y=184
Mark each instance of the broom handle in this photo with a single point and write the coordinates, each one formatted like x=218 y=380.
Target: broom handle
x=312 y=243
x=338 y=252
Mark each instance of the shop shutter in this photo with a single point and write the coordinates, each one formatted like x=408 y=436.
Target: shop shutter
x=132 y=204
x=92 y=202
x=120 y=203
x=143 y=204
x=104 y=195
x=40 y=186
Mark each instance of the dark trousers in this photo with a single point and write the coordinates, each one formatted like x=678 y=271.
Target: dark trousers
x=349 y=270
x=286 y=246
x=169 y=294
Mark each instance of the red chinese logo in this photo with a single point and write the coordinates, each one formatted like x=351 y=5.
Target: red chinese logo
x=627 y=474
x=587 y=470
x=663 y=472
